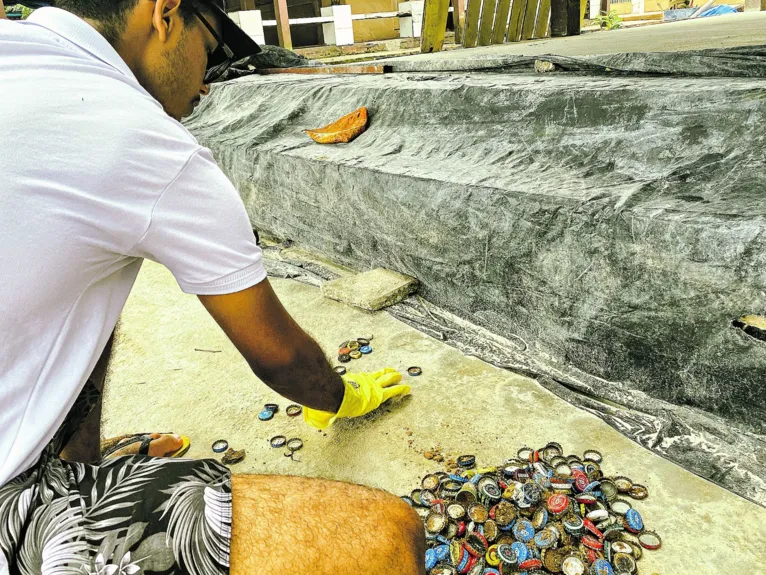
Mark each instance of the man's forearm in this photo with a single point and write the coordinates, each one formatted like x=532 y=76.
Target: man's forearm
x=309 y=380
x=279 y=352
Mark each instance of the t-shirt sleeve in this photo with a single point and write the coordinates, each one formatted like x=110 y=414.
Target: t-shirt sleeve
x=200 y=231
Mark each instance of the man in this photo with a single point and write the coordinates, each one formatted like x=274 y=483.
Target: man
x=102 y=175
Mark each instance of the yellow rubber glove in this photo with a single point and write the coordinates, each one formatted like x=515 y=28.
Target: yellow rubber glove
x=364 y=393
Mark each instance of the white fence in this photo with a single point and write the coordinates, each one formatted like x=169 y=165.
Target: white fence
x=337 y=22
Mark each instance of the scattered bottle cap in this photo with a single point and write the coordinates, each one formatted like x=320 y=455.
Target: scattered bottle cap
x=294 y=410
x=266 y=415
x=278 y=441
x=220 y=445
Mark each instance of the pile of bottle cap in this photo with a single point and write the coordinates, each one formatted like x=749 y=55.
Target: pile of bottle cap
x=354 y=349
x=539 y=512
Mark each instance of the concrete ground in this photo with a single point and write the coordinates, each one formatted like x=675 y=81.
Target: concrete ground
x=748 y=29
x=160 y=381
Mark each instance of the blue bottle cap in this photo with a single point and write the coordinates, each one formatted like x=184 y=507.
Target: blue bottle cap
x=430 y=559
x=633 y=520
x=265 y=415
x=521 y=550
x=592 y=487
x=442 y=552
x=220 y=445
x=545 y=539
x=365 y=349
x=601 y=567
x=523 y=530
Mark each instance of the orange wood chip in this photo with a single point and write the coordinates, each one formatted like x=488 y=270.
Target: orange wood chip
x=343 y=130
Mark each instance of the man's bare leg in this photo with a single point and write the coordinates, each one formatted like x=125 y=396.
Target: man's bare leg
x=85 y=445
x=313 y=526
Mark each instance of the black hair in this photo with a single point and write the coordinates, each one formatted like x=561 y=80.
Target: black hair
x=111 y=15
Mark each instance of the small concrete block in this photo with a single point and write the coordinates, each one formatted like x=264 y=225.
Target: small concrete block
x=340 y=32
x=411 y=26
x=372 y=290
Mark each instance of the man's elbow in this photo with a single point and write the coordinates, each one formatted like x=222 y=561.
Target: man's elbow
x=277 y=370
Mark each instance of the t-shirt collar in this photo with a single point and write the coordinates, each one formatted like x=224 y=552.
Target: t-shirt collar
x=80 y=33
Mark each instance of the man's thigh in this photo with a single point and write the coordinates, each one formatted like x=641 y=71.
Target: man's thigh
x=298 y=525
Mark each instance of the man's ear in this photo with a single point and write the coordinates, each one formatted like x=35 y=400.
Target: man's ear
x=166 y=18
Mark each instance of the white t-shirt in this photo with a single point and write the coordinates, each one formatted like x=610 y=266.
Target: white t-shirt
x=94 y=177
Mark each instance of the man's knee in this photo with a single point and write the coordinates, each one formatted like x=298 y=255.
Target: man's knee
x=403 y=545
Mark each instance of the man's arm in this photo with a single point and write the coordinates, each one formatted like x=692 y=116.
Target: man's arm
x=279 y=352
x=2 y=10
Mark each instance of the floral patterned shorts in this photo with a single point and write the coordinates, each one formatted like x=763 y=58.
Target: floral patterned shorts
x=126 y=516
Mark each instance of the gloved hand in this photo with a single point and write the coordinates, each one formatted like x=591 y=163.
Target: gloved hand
x=364 y=392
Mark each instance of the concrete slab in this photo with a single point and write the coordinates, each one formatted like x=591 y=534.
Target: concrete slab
x=460 y=404
x=718 y=32
x=371 y=290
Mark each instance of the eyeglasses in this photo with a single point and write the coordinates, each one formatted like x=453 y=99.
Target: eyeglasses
x=221 y=58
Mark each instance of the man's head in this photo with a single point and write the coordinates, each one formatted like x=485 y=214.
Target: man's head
x=165 y=43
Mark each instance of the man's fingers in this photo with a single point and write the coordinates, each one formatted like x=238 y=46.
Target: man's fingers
x=395 y=390
x=389 y=378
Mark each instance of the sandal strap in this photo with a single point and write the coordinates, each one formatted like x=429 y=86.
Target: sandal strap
x=144 y=449
x=124 y=442
x=117 y=443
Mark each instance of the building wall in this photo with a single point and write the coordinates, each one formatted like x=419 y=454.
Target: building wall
x=310 y=35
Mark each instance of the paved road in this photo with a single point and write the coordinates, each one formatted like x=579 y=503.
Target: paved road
x=715 y=32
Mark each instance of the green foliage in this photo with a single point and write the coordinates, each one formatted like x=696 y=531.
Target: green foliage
x=610 y=21
x=19 y=8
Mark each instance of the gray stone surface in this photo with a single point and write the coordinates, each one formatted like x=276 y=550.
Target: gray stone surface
x=159 y=382
x=372 y=290
x=733 y=62
x=615 y=225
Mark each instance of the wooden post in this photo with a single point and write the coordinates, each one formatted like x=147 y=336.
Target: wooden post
x=501 y=22
x=458 y=19
x=434 y=25
x=283 y=24
x=573 y=18
x=543 y=19
x=604 y=7
x=472 y=23
x=487 y=19
x=247 y=5
x=517 y=19
x=530 y=14
x=318 y=12
x=559 y=17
